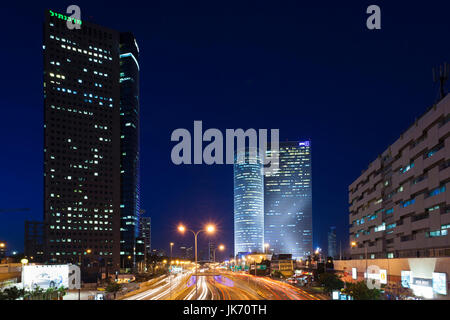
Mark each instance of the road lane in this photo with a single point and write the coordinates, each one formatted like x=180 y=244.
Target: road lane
x=219 y=285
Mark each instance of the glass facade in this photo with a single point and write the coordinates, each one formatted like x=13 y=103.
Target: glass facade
x=248 y=203
x=288 y=201
x=129 y=151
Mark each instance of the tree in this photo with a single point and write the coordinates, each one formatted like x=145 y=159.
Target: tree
x=113 y=287
x=12 y=294
x=360 y=291
x=330 y=282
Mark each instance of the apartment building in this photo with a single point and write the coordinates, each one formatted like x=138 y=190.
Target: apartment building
x=399 y=206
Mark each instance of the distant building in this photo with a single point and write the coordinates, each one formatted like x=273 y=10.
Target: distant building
x=34 y=242
x=211 y=247
x=145 y=232
x=332 y=243
x=159 y=252
x=282 y=263
x=248 y=203
x=399 y=206
x=288 y=201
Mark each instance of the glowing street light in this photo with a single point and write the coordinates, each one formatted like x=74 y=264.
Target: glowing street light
x=221 y=248
x=208 y=229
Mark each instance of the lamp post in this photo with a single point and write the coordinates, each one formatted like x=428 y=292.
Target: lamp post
x=170 y=267
x=221 y=248
x=2 y=249
x=209 y=229
x=353 y=244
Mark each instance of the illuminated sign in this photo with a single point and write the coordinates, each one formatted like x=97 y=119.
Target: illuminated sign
x=440 y=283
x=383 y=276
x=406 y=279
x=50 y=276
x=63 y=17
x=422 y=282
x=304 y=143
x=335 y=295
x=354 y=274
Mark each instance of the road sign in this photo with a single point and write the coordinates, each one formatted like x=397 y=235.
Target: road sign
x=261 y=267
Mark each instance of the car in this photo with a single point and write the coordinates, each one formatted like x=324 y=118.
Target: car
x=45 y=280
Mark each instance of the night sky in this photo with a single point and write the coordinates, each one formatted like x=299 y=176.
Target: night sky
x=313 y=71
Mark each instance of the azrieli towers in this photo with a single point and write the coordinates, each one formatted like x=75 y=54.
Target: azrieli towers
x=273 y=208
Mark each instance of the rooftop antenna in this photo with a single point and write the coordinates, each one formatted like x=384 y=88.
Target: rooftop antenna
x=441 y=77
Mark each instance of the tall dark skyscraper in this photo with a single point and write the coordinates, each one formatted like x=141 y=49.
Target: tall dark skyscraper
x=288 y=201
x=331 y=252
x=145 y=232
x=82 y=141
x=129 y=148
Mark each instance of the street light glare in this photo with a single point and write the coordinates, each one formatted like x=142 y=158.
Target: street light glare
x=221 y=247
x=181 y=228
x=210 y=228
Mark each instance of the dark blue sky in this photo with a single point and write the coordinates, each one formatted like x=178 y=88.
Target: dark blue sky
x=313 y=71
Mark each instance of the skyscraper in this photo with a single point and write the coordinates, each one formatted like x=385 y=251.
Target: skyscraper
x=82 y=130
x=145 y=231
x=332 y=242
x=129 y=148
x=34 y=241
x=288 y=201
x=248 y=203
x=211 y=247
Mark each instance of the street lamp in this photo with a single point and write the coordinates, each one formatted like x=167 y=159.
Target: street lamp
x=208 y=229
x=171 y=246
x=353 y=244
x=2 y=248
x=221 y=248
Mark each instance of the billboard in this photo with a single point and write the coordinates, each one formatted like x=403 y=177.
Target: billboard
x=406 y=279
x=50 y=276
x=383 y=276
x=354 y=274
x=440 y=283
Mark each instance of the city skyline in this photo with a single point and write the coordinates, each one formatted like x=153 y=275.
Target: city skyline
x=156 y=133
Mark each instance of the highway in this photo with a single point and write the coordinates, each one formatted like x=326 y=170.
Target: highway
x=220 y=285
